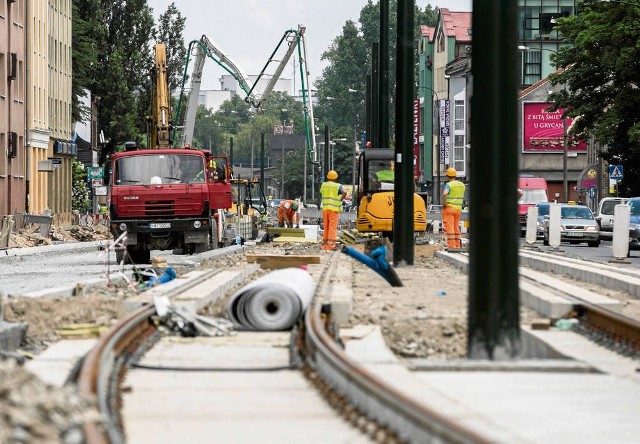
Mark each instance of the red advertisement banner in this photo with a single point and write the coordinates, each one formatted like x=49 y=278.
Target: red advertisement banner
x=543 y=131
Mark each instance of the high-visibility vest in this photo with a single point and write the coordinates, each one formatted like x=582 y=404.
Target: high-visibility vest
x=330 y=192
x=456 y=193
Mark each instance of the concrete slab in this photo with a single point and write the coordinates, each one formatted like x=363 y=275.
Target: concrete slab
x=11 y=335
x=521 y=401
x=246 y=405
x=55 y=364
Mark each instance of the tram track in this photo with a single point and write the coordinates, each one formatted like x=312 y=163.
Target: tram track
x=379 y=410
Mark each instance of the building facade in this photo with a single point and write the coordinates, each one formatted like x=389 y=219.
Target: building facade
x=61 y=148
x=445 y=52
x=13 y=157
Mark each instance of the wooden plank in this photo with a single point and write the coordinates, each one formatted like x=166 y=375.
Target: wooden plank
x=426 y=250
x=288 y=232
x=279 y=261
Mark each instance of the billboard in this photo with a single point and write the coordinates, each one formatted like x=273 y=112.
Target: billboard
x=543 y=131
x=417 y=173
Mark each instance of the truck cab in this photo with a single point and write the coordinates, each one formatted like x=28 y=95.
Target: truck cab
x=534 y=190
x=166 y=199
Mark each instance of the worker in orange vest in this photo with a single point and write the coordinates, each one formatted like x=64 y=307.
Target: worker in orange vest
x=452 y=196
x=288 y=214
x=332 y=195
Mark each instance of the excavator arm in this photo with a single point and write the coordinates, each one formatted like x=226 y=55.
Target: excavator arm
x=160 y=101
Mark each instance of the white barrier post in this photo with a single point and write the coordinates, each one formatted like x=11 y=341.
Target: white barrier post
x=532 y=219
x=620 y=242
x=554 y=225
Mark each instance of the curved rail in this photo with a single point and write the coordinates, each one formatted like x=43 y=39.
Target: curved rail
x=371 y=396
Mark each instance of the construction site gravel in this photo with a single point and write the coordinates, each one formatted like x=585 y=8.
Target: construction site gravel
x=425 y=318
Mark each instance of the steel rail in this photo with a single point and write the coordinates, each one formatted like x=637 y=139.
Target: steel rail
x=618 y=327
x=409 y=420
x=99 y=366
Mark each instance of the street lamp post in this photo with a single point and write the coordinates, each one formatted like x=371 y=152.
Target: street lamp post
x=355 y=152
x=282 y=134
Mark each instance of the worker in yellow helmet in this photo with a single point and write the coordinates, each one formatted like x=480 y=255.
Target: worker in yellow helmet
x=332 y=194
x=451 y=208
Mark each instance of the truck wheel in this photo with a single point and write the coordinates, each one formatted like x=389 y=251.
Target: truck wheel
x=138 y=255
x=201 y=247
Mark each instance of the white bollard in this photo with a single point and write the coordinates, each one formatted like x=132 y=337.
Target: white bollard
x=554 y=225
x=532 y=219
x=620 y=242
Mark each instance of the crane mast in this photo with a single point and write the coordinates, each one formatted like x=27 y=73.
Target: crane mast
x=160 y=101
x=204 y=47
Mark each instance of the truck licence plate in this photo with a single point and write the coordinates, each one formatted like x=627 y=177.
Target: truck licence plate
x=575 y=233
x=161 y=225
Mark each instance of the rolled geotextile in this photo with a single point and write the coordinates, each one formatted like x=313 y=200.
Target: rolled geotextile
x=274 y=302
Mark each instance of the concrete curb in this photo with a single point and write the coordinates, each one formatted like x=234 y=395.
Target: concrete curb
x=54 y=249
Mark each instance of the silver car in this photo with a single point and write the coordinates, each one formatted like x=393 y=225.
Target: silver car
x=577 y=225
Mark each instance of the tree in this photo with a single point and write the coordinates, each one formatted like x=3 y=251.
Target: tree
x=85 y=32
x=122 y=32
x=169 y=31
x=349 y=59
x=601 y=79
x=79 y=191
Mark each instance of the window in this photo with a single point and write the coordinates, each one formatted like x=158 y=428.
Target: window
x=441 y=42
x=458 y=152
x=532 y=66
x=458 y=115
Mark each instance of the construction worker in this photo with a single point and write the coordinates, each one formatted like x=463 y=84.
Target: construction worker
x=332 y=194
x=288 y=214
x=451 y=207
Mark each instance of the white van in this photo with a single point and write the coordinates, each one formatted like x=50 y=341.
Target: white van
x=604 y=216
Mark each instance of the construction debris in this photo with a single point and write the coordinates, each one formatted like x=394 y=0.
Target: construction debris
x=353 y=236
x=180 y=320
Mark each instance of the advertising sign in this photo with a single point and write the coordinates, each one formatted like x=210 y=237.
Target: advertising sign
x=445 y=122
x=543 y=131
x=416 y=138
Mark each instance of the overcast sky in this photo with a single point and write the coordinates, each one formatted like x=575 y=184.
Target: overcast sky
x=249 y=30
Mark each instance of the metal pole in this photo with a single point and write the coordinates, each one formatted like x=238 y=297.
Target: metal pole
x=384 y=98
x=355 y=153
x=565 y=152
x=262 y=161
x=493 y=309
x=282 y=183
x=403 y=223
x=304 y=182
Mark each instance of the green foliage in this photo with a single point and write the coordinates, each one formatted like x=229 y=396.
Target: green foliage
x=79 y=191
x=169 y=31
x=85 y=56
x=602 y=77
x=349 y=58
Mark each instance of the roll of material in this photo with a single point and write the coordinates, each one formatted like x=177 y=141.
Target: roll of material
x=274 y=302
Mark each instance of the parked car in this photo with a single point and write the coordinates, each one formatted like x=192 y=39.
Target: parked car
x=604 y=215
x=577 y=225
x=634 y=222
x=543 y=210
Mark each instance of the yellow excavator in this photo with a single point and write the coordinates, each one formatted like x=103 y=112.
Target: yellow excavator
x=376 y=191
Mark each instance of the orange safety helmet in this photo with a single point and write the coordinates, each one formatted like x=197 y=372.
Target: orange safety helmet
x=451 y=172
x=332 y=175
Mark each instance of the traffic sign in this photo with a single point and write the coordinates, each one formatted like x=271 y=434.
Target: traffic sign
x=95 y=173
x=615 y=172
x=592 y=192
